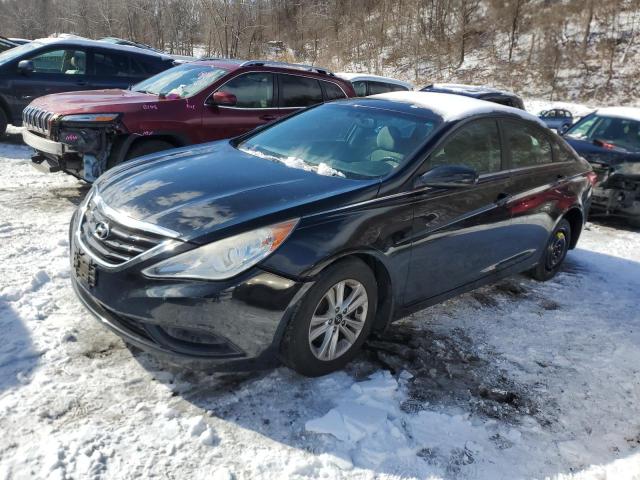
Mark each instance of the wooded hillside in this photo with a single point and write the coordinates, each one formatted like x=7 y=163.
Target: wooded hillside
x=569 y=49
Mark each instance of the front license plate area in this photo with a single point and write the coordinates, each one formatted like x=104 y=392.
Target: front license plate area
x=85 y=269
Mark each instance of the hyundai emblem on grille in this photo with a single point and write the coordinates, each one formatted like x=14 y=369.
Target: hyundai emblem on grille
x=101 y=230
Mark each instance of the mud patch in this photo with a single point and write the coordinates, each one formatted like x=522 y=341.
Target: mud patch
x=451 y=370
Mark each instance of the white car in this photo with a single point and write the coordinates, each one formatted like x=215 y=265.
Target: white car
x=365 y=84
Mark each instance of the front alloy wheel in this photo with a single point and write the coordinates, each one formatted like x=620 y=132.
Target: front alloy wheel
x=338 y=320
x=332 y=320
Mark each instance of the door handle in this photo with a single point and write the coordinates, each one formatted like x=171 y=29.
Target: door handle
x=81 y=83
x=268 y=117
x=503 y=198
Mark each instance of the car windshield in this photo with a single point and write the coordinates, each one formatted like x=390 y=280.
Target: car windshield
x=344 y=140
x=182 y=81
x=16 y=52
x=614 y=131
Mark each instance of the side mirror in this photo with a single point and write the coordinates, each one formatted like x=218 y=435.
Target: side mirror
x=448 y=176
x=222 y=99
x=25 y=67
x=563 y=129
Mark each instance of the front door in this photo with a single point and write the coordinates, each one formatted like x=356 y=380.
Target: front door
x=461 y=234
x=55 y=71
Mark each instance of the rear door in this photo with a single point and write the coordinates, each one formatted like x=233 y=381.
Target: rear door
x=297 y=92
x=56 y=69
x=461 y=234
x=540 y=189
x=256 y=94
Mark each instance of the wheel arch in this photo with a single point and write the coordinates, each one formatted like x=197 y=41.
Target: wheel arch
x=124 y=144
x=575 y=217
x=386 y=297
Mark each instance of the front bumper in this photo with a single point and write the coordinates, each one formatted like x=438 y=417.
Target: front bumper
x=45 y=145
x=225 y=325
x=618 y=196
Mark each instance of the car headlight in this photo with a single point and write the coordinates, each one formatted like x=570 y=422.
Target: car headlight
x=225 y=258
x=90 y=117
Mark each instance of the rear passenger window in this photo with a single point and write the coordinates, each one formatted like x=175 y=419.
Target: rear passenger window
x=361 y=88
x=252 y=90
x=476 y=145
x=529 y=146
x=562 y=153
x=111 y=64
x=333 y=91
x=379 y=87
x=298 y=91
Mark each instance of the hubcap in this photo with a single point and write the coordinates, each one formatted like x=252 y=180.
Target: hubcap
x=556 y=250
x=338 y=320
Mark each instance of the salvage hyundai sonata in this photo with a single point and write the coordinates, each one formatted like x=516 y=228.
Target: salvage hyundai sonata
x=300 y=239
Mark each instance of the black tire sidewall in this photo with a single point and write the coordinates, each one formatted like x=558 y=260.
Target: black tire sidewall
x=4 y=121
x=146 y=147
x=295 y=351
x=541 y=272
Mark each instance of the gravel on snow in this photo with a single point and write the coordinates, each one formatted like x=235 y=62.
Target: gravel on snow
x=517 y=380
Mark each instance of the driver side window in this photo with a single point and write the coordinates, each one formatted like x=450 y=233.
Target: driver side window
x=476 y=146
x=69 y=62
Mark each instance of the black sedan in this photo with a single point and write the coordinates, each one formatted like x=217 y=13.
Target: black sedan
x=299 y=239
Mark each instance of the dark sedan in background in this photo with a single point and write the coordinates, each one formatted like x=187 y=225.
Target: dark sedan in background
x=489 y=94
x=297 y=242
x=47 y=66
x=609 y=139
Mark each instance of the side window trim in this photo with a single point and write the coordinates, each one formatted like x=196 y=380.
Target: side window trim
x=276 y=90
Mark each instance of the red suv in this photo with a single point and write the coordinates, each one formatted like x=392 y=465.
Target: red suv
x=86 y=133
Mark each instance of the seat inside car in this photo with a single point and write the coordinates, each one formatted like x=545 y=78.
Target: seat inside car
x=388 y=143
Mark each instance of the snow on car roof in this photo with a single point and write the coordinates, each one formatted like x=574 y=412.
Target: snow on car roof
x=630 y=113
x=452 y=106
x=353 y=77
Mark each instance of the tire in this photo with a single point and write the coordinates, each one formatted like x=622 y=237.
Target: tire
x=3 y=122
x=145 y=147
x=634 y=221
x=554 y=253
x=305 y=355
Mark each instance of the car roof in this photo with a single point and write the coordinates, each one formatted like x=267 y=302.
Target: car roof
x=232 y=64
x=471 y=90
x=629 y=113
x=450 y=107
x=353 y=77
x=85 y=42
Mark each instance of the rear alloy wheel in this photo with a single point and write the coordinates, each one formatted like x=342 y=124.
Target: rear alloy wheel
x=332 y=321
x=554 y=253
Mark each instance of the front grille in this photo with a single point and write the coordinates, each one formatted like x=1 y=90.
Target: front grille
x=113 y=242
x=36 y=119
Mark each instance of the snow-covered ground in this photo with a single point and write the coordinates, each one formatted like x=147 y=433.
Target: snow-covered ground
x=518 y=380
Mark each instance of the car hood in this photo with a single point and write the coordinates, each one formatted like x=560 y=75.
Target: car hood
x=95 y=101
x=199 y=192
x=602 y=156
